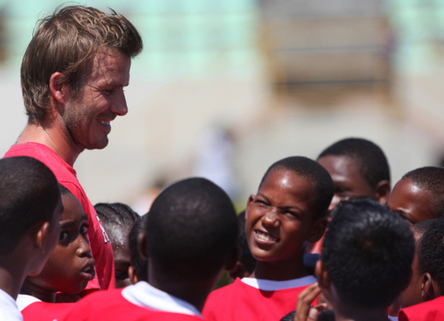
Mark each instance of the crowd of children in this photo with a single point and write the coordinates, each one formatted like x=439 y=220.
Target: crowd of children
x=380 y=251
x=324 y=239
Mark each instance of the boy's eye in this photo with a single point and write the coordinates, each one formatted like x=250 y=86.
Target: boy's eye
x=63 y=236
x=84 y=229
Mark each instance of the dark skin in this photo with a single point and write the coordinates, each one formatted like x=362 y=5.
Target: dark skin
x=280 y=223
x=411 y=202
x=70 y=266
x=349 y=182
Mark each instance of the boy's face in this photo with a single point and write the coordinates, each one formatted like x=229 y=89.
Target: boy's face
x=70 y=266
x=279 y=217
x=121 y=252
x=410 y=202
x=346 y=177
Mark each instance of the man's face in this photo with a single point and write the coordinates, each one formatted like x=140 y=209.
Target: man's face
x=88 y=114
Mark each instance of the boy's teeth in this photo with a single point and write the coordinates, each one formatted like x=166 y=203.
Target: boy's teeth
x=265 y=237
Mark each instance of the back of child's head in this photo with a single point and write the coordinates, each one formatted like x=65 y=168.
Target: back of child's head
x=138 y=261
x=246 y=261
x=118 y=219
x=116 y=214
x=29 y=193
x=430 y=250
x=315 y=174
x=191 y=230
x=369 y=157
x=431 y=180
x=368 y=253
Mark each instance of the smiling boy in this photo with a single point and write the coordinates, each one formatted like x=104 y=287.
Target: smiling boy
x=287 y=212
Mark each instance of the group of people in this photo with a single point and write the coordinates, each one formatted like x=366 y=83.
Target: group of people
x=324 y=239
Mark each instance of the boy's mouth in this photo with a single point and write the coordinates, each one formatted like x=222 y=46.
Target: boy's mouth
x=88 y=271
x=265 y=237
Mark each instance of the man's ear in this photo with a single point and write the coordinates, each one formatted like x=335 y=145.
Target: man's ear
x=58 y=87
x=429 y=288
x=39 y=235
x=322 y=275
x=382 y=191
x=317 y=230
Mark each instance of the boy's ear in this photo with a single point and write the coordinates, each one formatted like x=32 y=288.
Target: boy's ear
x=39 y=235
x=142 y=244
x=322 y=275
x=317 y=230
x=132 y=275
x=249 y=202
x=58 y=87
x=429 y=288
x=382 y=191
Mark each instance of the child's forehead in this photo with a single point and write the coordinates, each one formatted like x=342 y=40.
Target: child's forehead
x=281 y=174
x=72 y=207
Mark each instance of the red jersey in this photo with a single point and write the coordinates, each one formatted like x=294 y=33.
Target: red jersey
x=254 y=299
x=426 y=311
x=139 y=302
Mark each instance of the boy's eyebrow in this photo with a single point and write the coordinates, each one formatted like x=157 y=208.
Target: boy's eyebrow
x=70 y=222
x=281 y=207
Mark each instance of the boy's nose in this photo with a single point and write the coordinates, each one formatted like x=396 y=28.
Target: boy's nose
x=270 y=218
x=83 y=249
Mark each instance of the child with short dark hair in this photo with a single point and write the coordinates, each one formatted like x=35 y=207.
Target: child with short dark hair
x=190 y=240
x=358 y=167
x=117 y=220
x=69 y=267
x=30 y=207
x=288 y=211
x=366 y=260
x=138 y=270
x=418 y=195
x=427 y=285
x=246 y=262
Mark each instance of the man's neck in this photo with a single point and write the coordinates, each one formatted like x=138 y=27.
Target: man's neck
x=52 y=137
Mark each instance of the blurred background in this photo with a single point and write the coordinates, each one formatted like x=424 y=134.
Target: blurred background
x=225 y=88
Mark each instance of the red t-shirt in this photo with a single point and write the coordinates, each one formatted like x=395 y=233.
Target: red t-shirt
x=66 y=175
x=426 y=311
x=260 y=300
x=113 y=305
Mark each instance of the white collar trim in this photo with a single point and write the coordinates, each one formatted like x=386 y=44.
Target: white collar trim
x=145 y=295
x=270 y=285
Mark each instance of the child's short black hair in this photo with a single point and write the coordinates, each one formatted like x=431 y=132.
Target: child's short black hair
x=368 y=253
x=245 y=256
x=138 y=262
x=29 y=193
x=191 y=230
x=316 y=174
x=430 y=251
x=370 y=158
x=430 y=179
x=115 y=213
